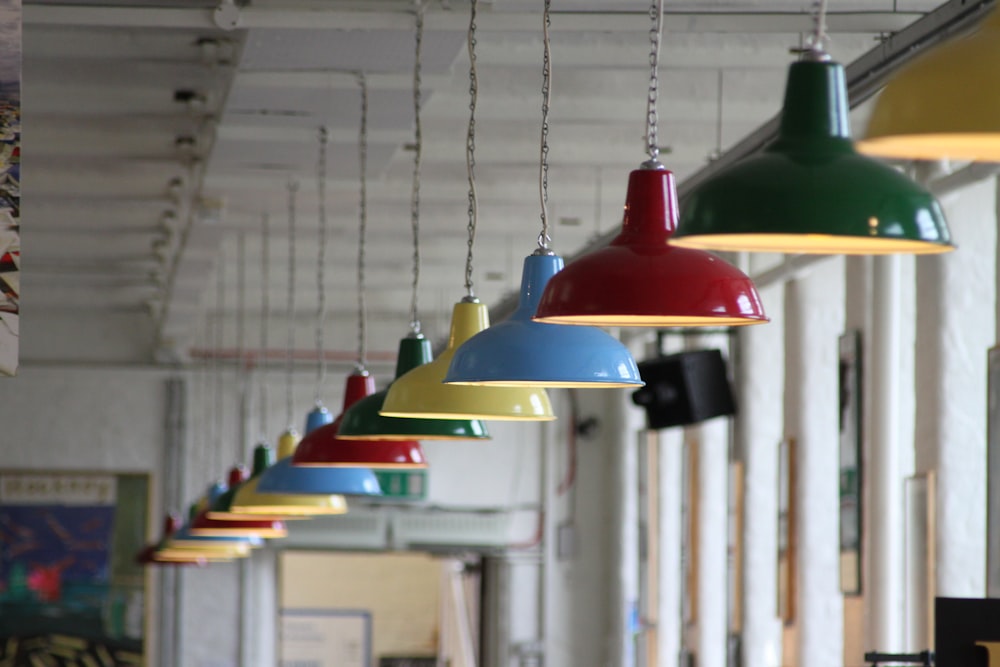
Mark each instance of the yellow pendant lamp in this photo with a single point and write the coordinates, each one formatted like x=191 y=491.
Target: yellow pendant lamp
x=250 y=501
x=420 y=393
x=945 y=104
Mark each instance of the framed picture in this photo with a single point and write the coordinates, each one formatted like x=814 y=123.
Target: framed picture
x=786 y=531
x=325 y=637
x=850 y=462
x=993 y=474
x=70 y=589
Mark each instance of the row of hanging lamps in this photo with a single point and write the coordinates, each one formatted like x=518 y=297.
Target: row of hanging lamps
x=945 y=104
x=521 y=352
x=249 y=499
x=362 y=421
x=421 y=392
x=284 y=476
x=810 y=191
x=643 y=279
x=202 y=524
x=322 y=447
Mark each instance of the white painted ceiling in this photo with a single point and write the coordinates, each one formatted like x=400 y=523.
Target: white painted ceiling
x=132 y=198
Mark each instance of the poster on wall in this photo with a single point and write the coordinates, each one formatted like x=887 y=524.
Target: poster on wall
x=70 y=591
x=10 y=184
x=850 y=462
x=325 y=638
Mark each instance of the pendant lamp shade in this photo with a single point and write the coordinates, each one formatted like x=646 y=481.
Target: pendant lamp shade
x=522 y=352
x=318 y=416
x=249 y=501
x=810 y=191
x=323 y=448
x=266 y=528
x=362 y=420
x=945 y=104
x=422 y=393
x=151 y=553
x=643 y=280
x=283 y=477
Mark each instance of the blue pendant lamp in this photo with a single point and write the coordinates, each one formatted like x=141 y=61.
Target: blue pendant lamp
x=521 y=352
x=362 y=420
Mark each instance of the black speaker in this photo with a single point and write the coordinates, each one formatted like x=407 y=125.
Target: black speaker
x=685 y=388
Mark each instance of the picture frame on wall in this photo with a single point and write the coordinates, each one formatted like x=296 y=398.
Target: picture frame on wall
x=850 y=470
x=71 y=591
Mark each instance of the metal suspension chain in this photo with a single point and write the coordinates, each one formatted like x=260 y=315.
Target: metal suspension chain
x=220 y=299
x=816 y=43
x=470 y=150
x=417 y=156
x=321 y=264
x=656 y=19
x=362 y=224
x=265 y=315
x=544 y=240
x=293 y=189
x=241 y=367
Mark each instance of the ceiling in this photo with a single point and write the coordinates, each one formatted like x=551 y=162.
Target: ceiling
x=154 y=140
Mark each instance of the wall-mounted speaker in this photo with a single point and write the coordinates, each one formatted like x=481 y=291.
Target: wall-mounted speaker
x=685 y=388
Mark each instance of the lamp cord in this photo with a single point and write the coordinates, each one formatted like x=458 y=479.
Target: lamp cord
x=321 y=264
x=470 y=150
x=544 y=240
x=293 y=189
x=417 y=156
x=265 y=315
x=362 y=223
x=220 y=290
x=656 y=19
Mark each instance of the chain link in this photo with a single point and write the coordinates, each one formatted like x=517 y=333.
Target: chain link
x=265 y=315
x=544 y=240
x=362 y=223
x=816 y=43
x=417 y=156
x=321 y=264
x=220 y=300
x=293 y=190
x=470 y=149
x=656 y=19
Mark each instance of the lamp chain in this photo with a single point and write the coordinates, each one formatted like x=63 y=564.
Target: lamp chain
x=816 y=43
x=362 y=223
x=417 y=156
x=293 y=189
x=241 y=365
x=470 y=150
x=544 y=240
x=265 y=315
x=220 y=290
x=656 y=19
x=321 y=264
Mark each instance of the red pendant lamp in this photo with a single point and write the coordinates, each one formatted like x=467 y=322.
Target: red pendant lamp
x=640 y=279
x=322 y=447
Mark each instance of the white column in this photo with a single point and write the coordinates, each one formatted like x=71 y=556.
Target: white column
x=955 y=327
x=712 y=440
x=814 y=321
x=671 y=476
x=760 y=384
x=884 y=473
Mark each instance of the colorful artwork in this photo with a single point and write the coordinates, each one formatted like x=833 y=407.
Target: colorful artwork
x=70 y=593
x=10 y=184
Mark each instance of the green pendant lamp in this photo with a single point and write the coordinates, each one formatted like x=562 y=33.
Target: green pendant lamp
x=362 y=421
x=810 y=191
x=421 y=393
x=943 y=105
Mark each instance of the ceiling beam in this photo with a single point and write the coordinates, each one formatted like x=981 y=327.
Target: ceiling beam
x=448 y=20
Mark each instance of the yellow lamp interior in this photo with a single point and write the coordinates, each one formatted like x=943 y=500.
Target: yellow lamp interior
x=807 y=244
x=981 y=146
x=612 y=320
